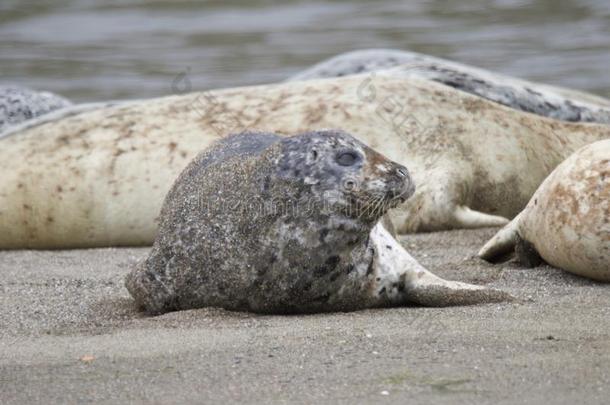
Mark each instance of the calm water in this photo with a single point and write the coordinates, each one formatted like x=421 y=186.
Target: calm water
x=135 y=48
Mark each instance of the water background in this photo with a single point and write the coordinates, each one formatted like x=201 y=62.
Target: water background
x=93 y=50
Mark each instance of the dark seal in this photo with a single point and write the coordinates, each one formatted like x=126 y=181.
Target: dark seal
x=19 y=104
x=271 y=224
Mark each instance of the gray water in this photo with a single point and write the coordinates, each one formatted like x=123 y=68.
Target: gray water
x=93 y=50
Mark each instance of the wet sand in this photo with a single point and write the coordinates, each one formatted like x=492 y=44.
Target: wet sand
x=70 y=334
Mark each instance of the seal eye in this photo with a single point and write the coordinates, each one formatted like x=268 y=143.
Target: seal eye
x=347 y=158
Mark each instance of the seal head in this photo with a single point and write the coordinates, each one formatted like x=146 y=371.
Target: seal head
x=344 y=175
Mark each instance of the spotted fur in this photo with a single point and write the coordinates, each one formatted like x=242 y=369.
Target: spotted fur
x=544 y=100
x=19 y=104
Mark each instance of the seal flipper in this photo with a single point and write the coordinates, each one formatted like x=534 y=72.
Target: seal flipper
x=416 y=284
x=527 y=254
x=425 y=288
x=150 y=293
x=465 y=217
x=502 y=243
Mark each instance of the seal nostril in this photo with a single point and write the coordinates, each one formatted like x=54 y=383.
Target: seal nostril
x=401 y=172
x=349 y=185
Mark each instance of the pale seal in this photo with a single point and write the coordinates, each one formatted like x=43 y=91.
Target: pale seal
x=269 y=224
x=98 y=177
x=567 y=221
x=19 y=104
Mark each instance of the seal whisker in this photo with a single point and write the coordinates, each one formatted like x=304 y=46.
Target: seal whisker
x=371 y=208
x=379 y=207
x=365 y=204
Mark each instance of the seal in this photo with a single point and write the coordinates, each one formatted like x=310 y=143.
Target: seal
x=268 y=224
x=541 y=99
x=567 y=221
x=19 y=104
x=98 y=177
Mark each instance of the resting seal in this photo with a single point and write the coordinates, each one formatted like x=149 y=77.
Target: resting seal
x=567 y=221
x=19 y=104
x=98 y=177
x=287 y=225
x=541 y=99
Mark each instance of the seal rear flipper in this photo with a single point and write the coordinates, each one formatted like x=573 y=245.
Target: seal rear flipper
x=502 y=243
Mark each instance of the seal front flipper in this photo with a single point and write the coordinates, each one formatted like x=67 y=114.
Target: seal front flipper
x=502 y=243
x=465 y=217
x=404 y=280
x=527 y=254
x=424 y=288
x=150 y=293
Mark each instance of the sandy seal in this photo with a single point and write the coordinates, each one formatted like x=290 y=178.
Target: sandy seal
x=287 y=225
x=19 y=104
x=567 y=221
x=98 y=177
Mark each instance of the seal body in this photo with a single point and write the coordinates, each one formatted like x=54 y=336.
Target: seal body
x=567 y=221
x=19 y=104
x=277 y=225
x=549 y=101
x=98 y=177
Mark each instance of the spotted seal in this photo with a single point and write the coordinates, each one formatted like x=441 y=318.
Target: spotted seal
x=98 y=177
x=270 y=224
x=545 y=100
x=567 y=221
x=19 y=104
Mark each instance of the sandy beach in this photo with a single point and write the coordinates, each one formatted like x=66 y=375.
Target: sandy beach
x=69 y=333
